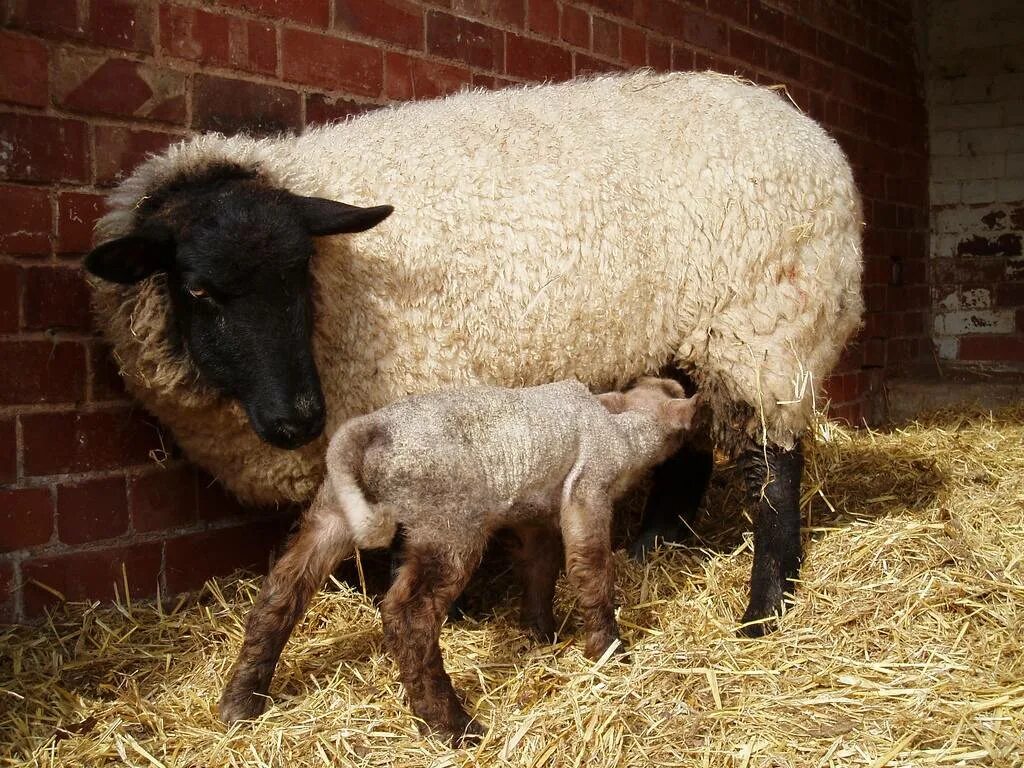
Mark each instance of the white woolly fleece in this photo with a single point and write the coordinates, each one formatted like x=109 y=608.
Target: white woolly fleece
x=595 y=229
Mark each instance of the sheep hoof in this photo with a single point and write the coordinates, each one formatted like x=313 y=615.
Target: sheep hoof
x=650 y=539
x=757 y=623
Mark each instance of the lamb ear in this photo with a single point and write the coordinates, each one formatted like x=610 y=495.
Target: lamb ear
x=679 y=411
x=133 y=257
x=614 y=402
x=329 y=217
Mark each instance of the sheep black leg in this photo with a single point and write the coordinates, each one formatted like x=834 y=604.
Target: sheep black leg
x=773 y=480
x=676 y=493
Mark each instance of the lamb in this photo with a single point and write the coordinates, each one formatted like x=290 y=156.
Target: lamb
x=451 y=468
x=603 y=229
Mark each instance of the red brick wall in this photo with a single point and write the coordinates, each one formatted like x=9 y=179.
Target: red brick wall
x=975 y=87
x=88 y=481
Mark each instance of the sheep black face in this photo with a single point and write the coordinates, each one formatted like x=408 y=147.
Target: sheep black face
x=236 y=254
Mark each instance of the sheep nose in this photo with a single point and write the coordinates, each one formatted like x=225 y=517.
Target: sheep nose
x=294 y=428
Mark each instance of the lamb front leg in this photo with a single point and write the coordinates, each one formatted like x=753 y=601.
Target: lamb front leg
x=429 y=579
x=586 y=533
x=316 y=550
x=773 y=481
x=538 y=560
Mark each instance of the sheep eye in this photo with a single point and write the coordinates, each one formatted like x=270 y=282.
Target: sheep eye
x=198 y=293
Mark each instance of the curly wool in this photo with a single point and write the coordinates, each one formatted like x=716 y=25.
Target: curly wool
x=596 y=229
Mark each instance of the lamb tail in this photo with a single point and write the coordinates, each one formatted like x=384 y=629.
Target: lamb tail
x=371 y=525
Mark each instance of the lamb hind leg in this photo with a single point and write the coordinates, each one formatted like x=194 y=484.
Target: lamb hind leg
x=429 y=578
x=773 y=481
x=315 y=551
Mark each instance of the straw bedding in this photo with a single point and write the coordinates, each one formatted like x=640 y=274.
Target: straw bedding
x=904 y=648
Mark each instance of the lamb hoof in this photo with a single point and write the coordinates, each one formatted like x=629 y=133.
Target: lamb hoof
x=470 y=736
x=241 y=707
x=462 y=732
x=596 y=648
x=541 y=628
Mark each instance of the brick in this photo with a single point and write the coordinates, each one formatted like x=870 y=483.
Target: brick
x=230 y=106
x=621 y=8
x=196 y=557
x=8 y=451
x=508 y=12
x=782 y=61
x=1009 y=294
x=215 y=503
x=90 y=575
x=195 y=34
x=747 y=47
x=634 y=47
x=799 y=34
x=26 y=218
x=963 y=168
x=316 y=13
x=8 y=593
x=987 y=321
x=119 y=150
x=332 y=63
x=945 y=116
x=662 y=16
x=41 y=372
x=92 y=510
x=321 y=108
x=24 y=62
x=407 y=78
x=575 y=26
x=394 y=21
x=53 y=18
x=214 y=39
x=767 y=20
x=490 y=82
x=163 y=499
x=10 y=298
x=534 y=60
x=992 y=348
x=105 y=380
x=463 y=40
x=37 y=148
x=58 y=443
x=254 y=47
x=583 y=64
x=682 y=58
x=605 y=37
x=77 y=213
x=56 y=297
x=542 y=18
x=813 y=74
x=125 y=24
x=95 y=84
x=659 y=54
x=26 y=518
x=705 y=31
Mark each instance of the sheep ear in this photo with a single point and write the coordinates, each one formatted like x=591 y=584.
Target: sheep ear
x=614 y=402
x=329 y=217
x=679 y=411
x=134 y=257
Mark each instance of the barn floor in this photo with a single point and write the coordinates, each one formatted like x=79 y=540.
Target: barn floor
x=904 y=648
